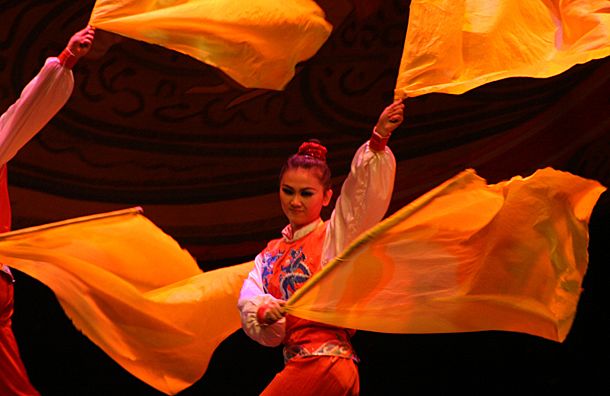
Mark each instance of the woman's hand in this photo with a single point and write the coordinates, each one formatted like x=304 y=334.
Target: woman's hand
x=270 y=312
x=390 y=119
x=81 y=41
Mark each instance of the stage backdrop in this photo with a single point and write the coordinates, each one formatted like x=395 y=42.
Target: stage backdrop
x=149 y=127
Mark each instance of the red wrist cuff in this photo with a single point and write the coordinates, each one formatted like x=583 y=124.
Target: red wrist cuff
x=260 y=314
x=378 y=142
x=67 y=58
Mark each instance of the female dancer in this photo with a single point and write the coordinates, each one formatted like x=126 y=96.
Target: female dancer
x=319 y=359
x=40 y=100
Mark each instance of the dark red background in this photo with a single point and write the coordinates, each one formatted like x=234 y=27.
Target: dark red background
x=149 y=127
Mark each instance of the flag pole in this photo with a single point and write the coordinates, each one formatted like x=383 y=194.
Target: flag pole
x=83 y=219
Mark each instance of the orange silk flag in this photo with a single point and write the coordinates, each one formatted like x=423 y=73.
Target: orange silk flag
x=465 y=257
x=255 y=42
x=453 y=46
x=134 y=292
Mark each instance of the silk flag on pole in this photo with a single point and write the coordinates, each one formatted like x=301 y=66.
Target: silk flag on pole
x=255 y=42
x=453 y=46
x=465 y=257
x=134 y=292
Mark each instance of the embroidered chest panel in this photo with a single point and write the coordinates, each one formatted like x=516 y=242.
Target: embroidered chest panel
x=288 y=265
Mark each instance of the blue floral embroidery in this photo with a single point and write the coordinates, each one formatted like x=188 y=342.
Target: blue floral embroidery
x=269 y=260
x=295 y=272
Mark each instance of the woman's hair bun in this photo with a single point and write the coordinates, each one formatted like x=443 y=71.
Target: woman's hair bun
x=313 y=149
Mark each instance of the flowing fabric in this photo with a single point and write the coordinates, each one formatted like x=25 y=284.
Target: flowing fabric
x=453 y=46
x=256 y=42
x=134 y=292
x=465 y=257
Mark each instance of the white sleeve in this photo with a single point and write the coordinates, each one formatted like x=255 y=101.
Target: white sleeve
x=251 y=298
x=40 y=100
x=364 y=199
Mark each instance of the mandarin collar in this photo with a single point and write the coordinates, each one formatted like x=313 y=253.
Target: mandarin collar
x=289 y=236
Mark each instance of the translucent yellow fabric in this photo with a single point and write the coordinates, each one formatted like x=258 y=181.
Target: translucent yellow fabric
x=134 y=292
x=464 y=257
x=453 y=46
x=255 y=42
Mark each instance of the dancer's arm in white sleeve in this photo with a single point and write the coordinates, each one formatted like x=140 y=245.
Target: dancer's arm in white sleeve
x=367 y=191
x=251 y=298
x=42 y=98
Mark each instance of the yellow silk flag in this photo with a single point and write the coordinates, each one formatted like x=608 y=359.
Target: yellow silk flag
x=465 y=257
x=255 y=42
x=134 y=292
x=452 y=46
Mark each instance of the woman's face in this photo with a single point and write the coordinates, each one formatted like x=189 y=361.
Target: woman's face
x=302 y=196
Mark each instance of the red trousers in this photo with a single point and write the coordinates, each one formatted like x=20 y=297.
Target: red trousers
x=315 y=376
x=14 y=380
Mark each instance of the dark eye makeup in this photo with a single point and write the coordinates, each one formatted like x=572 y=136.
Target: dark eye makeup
x=306 y=193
